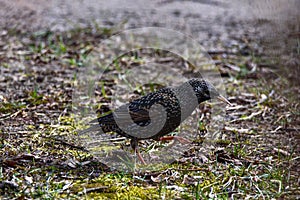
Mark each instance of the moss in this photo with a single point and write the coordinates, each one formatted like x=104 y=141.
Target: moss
x=118 y=186
x=11 y=106
x=42 y=158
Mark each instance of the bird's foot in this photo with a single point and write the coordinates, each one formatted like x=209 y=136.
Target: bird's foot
x=135 y=146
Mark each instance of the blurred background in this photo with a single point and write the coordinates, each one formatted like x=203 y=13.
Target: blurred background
x=275 y=23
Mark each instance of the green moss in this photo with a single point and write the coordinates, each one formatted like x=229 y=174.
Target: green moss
x=8 y=107
x=118 y=186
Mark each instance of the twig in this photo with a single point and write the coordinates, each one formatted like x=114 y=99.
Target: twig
x=194 y=169
x=238 y=107
x=215 y=52
x=279 y=184
x=242 y=130
x=233 y=67
x=276 y=129
x=248 y=117
x=10 y=115
x=59 y=141
x=282 y=151
x=3 y=117
x=96 y=189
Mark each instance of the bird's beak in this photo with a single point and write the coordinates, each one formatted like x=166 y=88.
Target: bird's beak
x=221 y=98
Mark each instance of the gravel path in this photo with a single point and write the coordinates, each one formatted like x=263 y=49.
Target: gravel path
x=202 y=19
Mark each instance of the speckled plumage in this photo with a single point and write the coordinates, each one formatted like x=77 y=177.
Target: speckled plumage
x=158 y=113
x=179 y=103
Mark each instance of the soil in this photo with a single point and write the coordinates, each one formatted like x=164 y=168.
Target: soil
x=255 y=47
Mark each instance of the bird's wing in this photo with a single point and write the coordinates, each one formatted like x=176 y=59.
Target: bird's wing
x=131 y=112
x=139 y=110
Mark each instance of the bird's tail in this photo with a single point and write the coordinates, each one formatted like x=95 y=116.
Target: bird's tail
x=96 y=124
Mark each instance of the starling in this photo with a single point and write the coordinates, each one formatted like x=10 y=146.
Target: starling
x=158 y=113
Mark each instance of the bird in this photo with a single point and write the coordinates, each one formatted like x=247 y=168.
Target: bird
x=158 y=113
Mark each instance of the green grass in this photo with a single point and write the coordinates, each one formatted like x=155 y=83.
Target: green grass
x=42 y=159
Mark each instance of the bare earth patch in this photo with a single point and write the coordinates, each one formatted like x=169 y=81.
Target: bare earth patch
x=256 y=155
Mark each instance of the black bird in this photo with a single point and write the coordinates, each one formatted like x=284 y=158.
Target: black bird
x=158 y=113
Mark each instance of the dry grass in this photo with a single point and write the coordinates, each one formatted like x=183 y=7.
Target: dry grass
x=256 y=154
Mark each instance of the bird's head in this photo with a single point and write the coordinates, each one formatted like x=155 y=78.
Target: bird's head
x=206 y=91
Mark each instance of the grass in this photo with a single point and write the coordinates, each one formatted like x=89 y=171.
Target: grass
x=41 y=156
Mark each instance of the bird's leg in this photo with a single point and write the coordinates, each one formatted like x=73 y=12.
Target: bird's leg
x=140 y=156
x=135 y=146
x=177 y=138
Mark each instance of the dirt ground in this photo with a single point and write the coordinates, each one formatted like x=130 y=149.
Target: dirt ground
x=255 y=47
x=273 y=23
